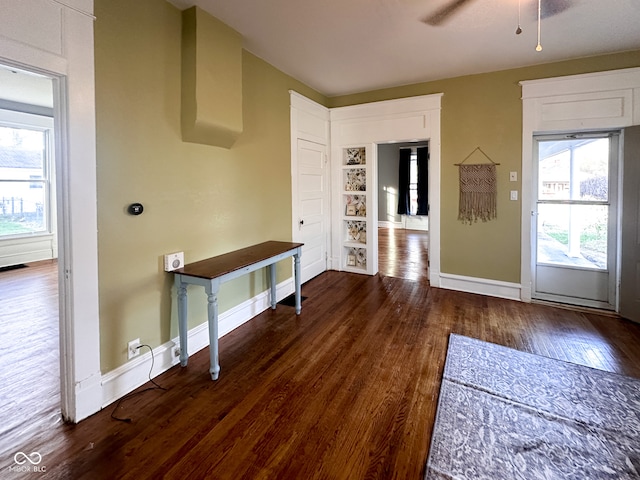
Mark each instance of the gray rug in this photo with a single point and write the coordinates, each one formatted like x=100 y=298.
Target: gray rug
x=505 y=414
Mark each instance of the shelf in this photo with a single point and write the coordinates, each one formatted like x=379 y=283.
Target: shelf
x=355 y=156
x=356 y=257
x=355 y=206
x=355 y=179
x=355 y=220
x=355 y=232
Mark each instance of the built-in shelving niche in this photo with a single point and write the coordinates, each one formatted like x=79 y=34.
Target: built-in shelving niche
x=356 y=223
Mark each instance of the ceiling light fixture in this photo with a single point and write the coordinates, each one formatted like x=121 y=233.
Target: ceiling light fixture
x=539 y=47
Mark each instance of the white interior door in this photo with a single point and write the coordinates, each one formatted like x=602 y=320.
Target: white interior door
x=630 y=242
x=575 y=226
x=312 y=208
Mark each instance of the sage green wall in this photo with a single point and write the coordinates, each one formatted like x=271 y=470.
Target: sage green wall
x=485 y=111
x=198 y=199
x=207 y=200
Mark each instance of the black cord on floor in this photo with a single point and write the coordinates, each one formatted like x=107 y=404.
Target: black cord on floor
x=133 y=394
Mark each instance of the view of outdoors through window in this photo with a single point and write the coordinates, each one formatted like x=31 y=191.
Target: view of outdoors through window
x=573 y=196
x=23 y=181
x=413 y=182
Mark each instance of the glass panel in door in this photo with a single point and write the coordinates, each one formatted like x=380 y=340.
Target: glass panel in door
x=575 y=243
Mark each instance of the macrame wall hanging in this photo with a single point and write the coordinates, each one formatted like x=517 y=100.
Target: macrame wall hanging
x=478 y=190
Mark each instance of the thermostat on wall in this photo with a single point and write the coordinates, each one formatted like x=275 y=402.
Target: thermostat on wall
x=173 y=261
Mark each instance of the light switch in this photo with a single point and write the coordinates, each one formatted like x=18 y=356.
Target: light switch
x=514 y=194
x=513 y=177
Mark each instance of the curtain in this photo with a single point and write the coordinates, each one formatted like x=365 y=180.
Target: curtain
x=423 y=181
x=403 y=182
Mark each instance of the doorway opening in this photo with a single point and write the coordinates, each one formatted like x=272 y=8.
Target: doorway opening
x=403 y=238
x=575 y=233
x=29 y=279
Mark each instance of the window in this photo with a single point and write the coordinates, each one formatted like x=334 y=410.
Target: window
x=413 y=183
x=573 y=201
x=413 y=180
x=25 y=174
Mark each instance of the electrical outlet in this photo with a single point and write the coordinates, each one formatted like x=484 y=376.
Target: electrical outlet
x=133 y=348
x=175 y=352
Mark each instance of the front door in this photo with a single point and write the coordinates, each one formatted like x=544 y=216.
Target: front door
x=576 y=219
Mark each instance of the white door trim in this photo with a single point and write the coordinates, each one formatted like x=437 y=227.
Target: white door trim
x=402 y=120
x=64 y=51
x=595 y=101
x=310 y=122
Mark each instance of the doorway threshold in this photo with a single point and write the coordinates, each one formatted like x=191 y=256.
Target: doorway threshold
x=578 y=308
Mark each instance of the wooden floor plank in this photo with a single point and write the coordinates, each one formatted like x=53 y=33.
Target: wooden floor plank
x=29 y=360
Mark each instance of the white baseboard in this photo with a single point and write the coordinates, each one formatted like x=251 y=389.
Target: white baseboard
x=482 y=286
x=408 y=223
x=88 y=397
x=131 y=375
x=15 y=251
x=388 y=224
x=416 y=222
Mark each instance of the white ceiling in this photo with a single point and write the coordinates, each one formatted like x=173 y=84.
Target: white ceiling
x=25 y=87
x=346 y=46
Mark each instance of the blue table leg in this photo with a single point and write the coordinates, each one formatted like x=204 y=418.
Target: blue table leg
x=296 y=262
x=182 y=319
x=272 y=274
x=212 y=310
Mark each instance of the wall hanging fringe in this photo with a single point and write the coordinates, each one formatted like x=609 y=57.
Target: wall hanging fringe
x=478 y=190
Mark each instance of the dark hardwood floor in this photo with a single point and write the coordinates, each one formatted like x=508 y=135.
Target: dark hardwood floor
x=346 y=390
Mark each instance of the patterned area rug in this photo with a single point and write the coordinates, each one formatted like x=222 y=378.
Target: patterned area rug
x=505 y=414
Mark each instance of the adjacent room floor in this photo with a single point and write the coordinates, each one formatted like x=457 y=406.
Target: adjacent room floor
x=29 y=363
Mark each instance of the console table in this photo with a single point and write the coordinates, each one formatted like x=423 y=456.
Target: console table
x=210 y=273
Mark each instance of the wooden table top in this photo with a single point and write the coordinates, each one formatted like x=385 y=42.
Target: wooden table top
x=228 y=262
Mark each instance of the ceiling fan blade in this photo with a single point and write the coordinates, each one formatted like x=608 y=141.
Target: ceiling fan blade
x=554 y=7
x=443 y=13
